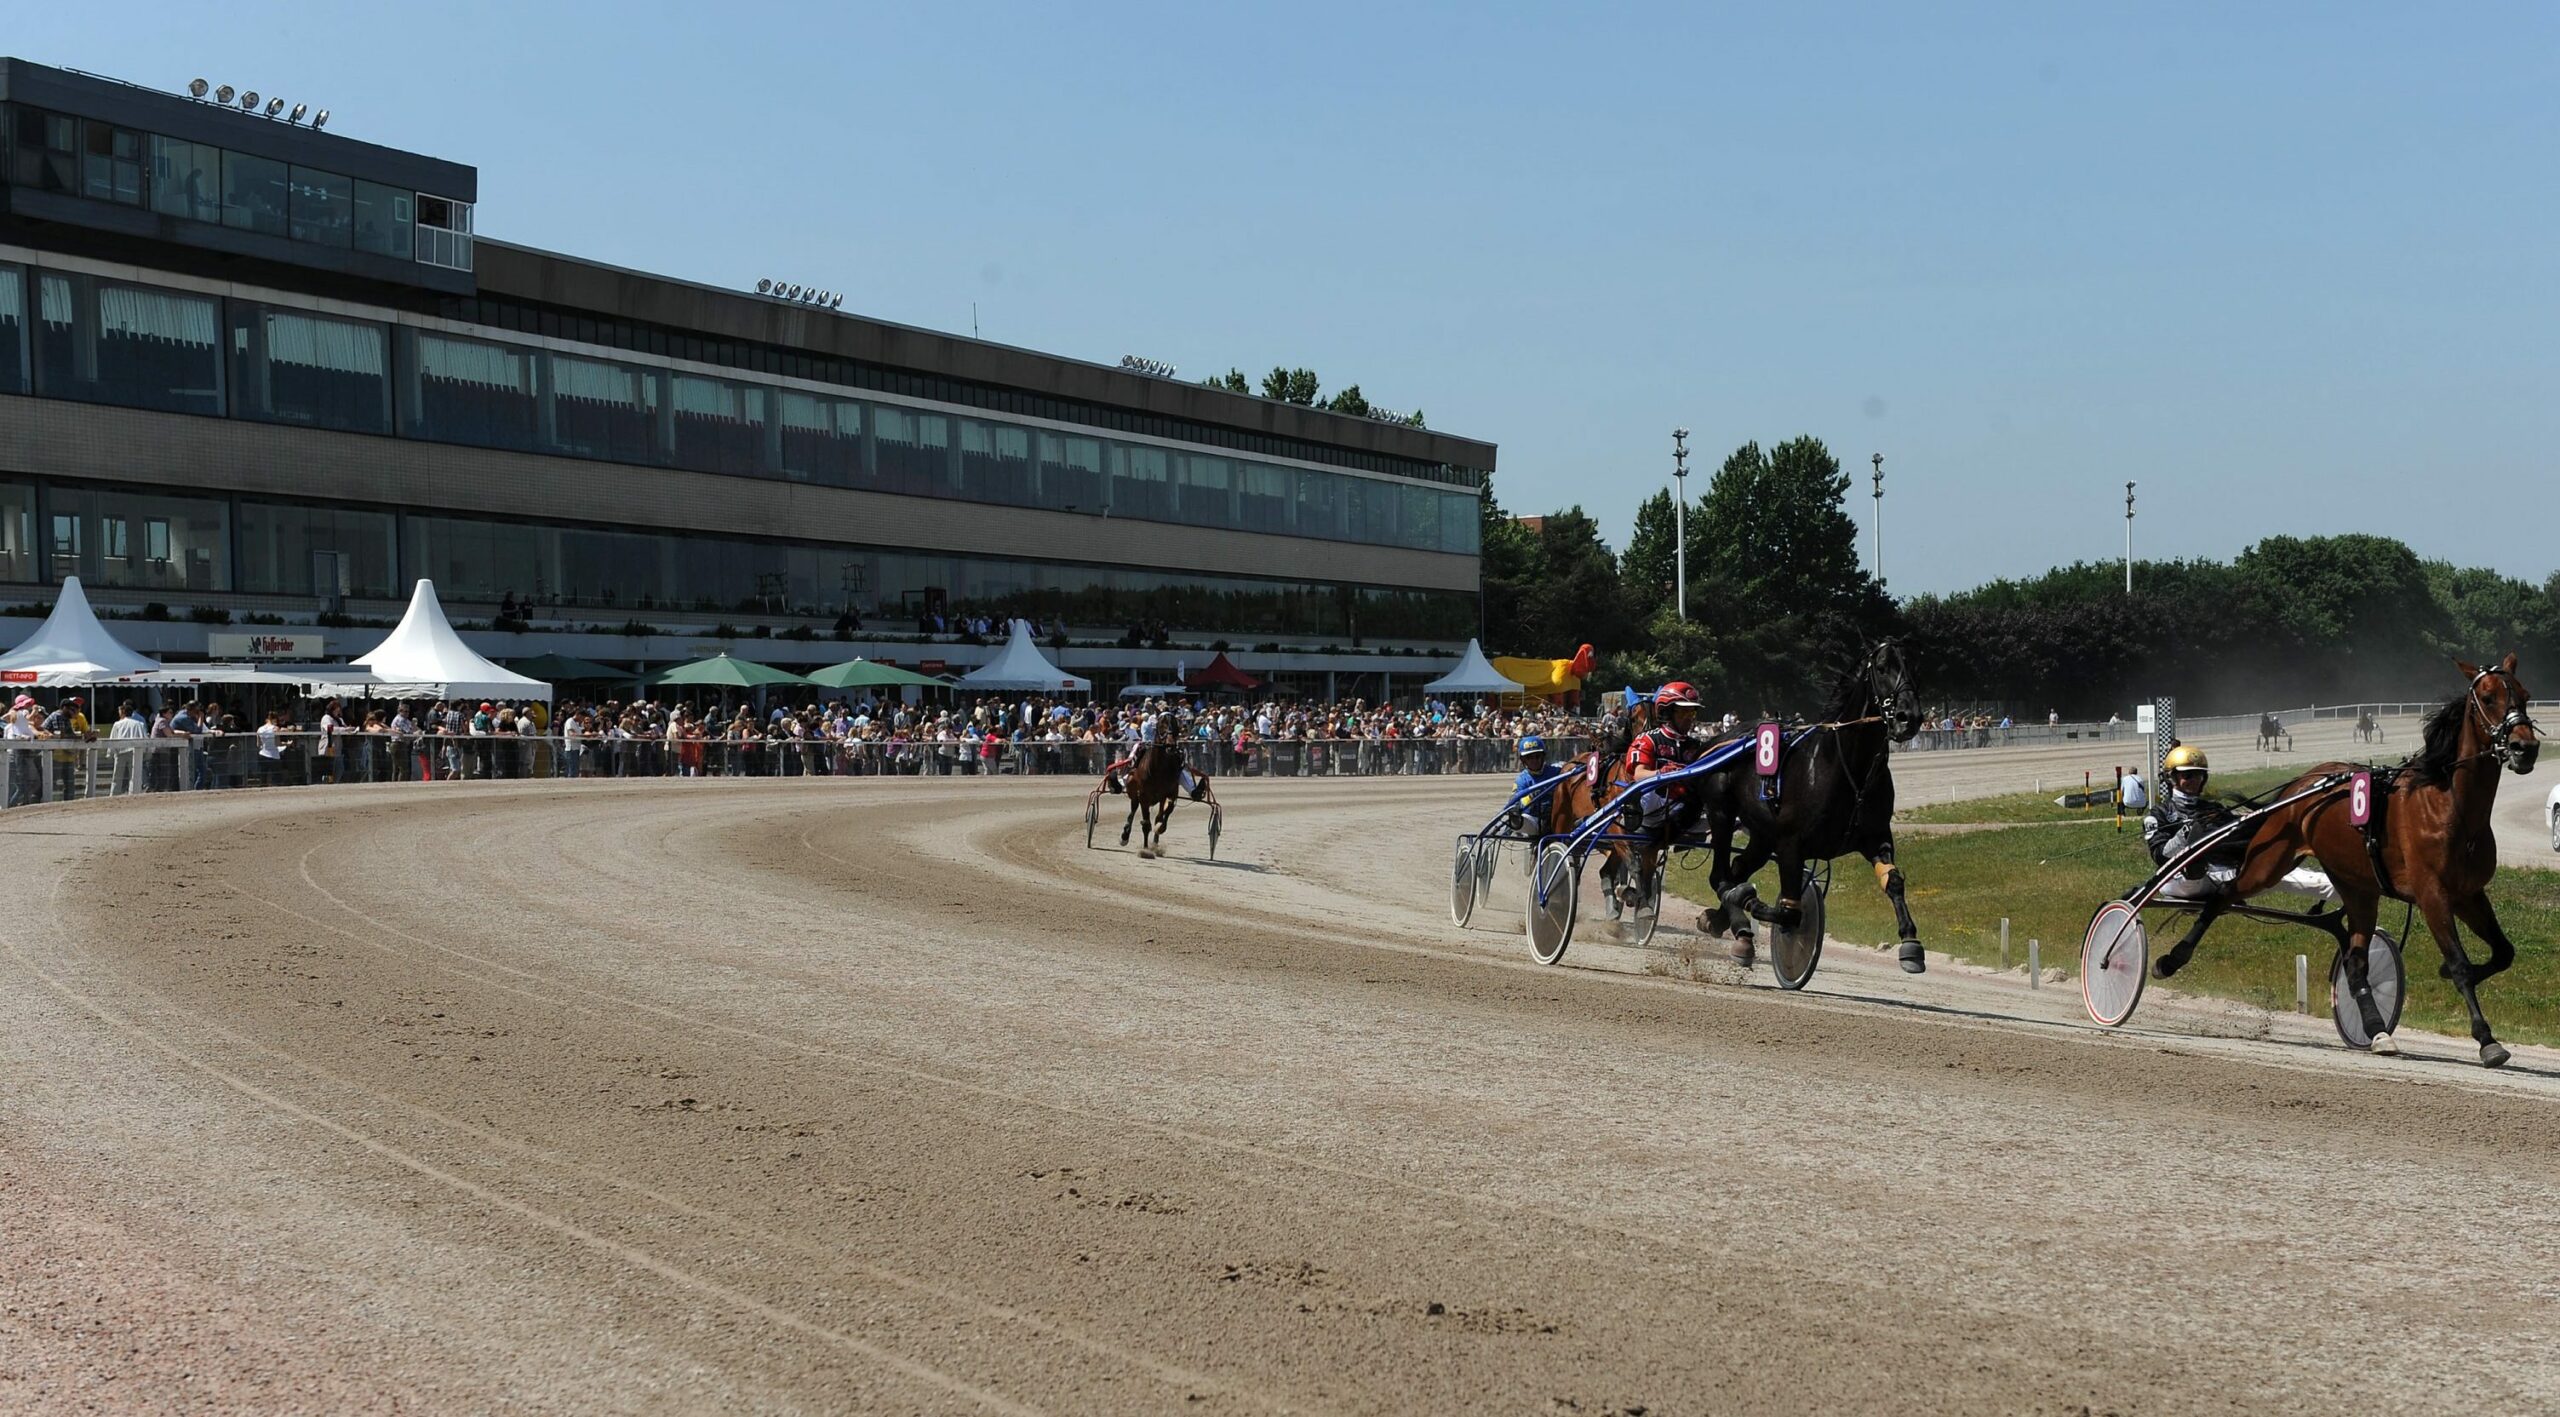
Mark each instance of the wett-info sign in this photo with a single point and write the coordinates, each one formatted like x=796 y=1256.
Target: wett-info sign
x=222 y=646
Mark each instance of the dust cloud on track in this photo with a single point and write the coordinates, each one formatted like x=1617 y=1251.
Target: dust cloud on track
x=891 y=1096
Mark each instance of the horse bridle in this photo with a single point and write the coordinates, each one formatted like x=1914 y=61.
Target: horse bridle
x=1889 y=699
x=2502 y=734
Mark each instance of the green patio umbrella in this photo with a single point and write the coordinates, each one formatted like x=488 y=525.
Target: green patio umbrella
x=864 y=674
x=569 y=669
x=722 y=672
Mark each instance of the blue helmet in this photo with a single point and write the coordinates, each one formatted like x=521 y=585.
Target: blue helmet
x=1533 y=746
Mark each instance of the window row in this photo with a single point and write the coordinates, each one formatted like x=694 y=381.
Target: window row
x=117 y=537
x=193 y=181
x=111 y=342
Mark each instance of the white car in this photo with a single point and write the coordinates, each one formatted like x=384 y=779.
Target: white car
x=2551 y=813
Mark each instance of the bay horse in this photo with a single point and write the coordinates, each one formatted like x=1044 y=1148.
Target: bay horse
x=2431 y=844
x=2271 y=734
x=1154 y=784
x=1835 y=796
x=1602 y=778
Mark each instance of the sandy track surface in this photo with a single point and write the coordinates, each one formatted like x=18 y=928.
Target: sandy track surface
x=882 y=1096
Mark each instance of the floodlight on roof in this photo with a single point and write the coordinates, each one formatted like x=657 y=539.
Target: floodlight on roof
x=764 y=287
x=196 y=88
x=222 y=94
x=299 y=109
x=836 y=303
x=320 y=119
x=249 y=101
x=274 y=107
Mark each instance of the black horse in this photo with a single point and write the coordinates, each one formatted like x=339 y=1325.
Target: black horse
x=2272 y=736
x=1835 y=796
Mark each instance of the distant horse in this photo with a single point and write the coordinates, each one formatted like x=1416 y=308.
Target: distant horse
x=2272 y=734
x=2367 y=731
x=1154 y=785
x=2434 y=845
x=1602 y=778
x=1835 y=797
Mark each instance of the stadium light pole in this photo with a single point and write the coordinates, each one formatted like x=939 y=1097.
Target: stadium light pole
x=1878 y=461
x=1680 y=519
x=2128 y=538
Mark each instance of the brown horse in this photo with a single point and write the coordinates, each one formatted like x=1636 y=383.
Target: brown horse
x=1602 y=778
x=2432 y=845
x=1154 y=785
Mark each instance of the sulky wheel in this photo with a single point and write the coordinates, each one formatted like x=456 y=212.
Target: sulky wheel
x=1553 y=891
x=1217 y=823
x=2382 y=973
x=1638 y=926
x=1092 y=815
x=2115 y=960
x=1462 y=882
x=1796 y=951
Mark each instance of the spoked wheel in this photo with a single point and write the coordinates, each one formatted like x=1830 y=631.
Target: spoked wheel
x=1092 y=815
x=1795 y=951
x=2115 y=961
x=1217 y=823
x=1638 y=925
x=1462 y=882
x=1554 y=888
x=2382 y=972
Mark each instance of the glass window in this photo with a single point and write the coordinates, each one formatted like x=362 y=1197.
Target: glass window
x=822 y=439
x=1071 y=473
x=1207 y=495
x=13 y=330
x=384 y=216
x=995 y=463
x=17 y=531
x=721 y=426
x=1141 y=482
x=111 y=164
x=444 y=232
x=476 y=560
x=125 y=344
x=1461 y=524
x=186 y=179
x=1419 y=519
x=289 y=366
x=1322 y=505
x=48 y=152
x=278 y=544
x=913 y=450
x=110 y=536
x=601 y=410
x=253 y=193
x=323 y=207
x=1263 y=502
x=468 y=391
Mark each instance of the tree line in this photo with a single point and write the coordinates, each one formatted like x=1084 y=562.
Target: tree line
x=1779 y=598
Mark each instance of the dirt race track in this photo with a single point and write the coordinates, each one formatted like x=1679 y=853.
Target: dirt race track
x=890 y=1096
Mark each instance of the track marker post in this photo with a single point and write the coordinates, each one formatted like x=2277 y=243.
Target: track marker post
x=2035 y=975
x=2302 y=984
x=2004 y=944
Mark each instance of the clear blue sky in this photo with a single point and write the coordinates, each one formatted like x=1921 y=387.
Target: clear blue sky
x=2293 y=271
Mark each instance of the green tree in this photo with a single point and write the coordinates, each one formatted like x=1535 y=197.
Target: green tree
x=2355 y=614
x=1233 y=381
x=1774 y=574
x=1576 y=597
x=1350 y=401
x=1511 y=563
x=2488 y=614
x=1649 y=566
x=1296 y=386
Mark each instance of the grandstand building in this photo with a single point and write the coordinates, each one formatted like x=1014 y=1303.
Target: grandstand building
x=255 y=367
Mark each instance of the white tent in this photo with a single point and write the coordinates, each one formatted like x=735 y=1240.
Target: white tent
x=424 y=658
x=1022 y=666
x=1474 y=675
x=71 y=647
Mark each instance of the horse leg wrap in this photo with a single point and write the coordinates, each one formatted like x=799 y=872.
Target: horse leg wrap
x=1888 y=876
x=1786 y=912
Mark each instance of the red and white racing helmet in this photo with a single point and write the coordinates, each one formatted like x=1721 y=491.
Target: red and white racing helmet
x=1676 y=694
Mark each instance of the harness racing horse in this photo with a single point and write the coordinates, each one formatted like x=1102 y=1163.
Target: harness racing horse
x=1835 y=796
x=2430 y=842
x=1577 y=797
x=2367 y=731
x=2271 y=734
x=1154 y=785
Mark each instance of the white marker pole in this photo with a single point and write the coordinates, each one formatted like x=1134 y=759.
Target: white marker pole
x=2302 y=984
x=2004 y=944
x=2035 y=975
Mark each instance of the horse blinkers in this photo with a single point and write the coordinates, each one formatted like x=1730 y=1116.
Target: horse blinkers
x=2512 y=738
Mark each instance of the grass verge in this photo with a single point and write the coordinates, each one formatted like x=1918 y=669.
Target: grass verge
x=2047 y=879
x=2038 y=806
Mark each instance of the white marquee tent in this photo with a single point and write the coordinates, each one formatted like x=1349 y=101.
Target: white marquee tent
x=71 y=648
x=1474 y=675
x=1022 y=666
x=424 y=658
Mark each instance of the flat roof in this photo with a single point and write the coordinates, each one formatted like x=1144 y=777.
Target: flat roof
x=550 y=278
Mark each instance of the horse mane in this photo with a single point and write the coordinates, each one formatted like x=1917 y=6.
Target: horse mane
x=2434 y=760
x=1851 y=693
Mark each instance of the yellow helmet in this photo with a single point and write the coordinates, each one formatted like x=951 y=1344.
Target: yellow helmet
x=2185 y=757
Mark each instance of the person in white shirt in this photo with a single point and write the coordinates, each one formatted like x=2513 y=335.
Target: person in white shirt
x=129 y=731
x=271 y=748
x=2130 y=793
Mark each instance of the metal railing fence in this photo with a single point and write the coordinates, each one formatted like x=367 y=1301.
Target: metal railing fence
x=55 y=770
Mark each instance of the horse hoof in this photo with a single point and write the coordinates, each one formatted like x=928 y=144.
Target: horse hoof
x=2167 y=965
x=1915 y=959
x=2383 y=1047
x=1709 y=925
x=2493 y=1055
x=1741 y=953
